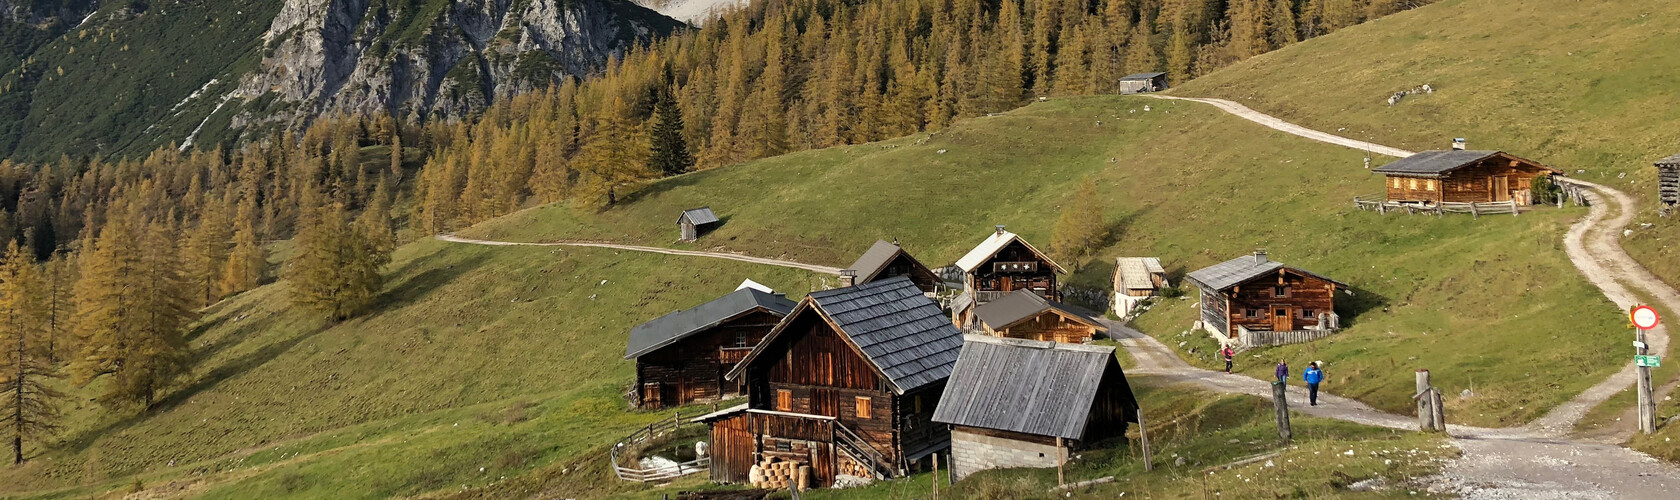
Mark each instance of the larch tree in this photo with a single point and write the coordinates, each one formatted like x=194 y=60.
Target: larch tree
x=207 y=252
x=243 y=269
x=336 y=269
x=1080 y=228
x=132 y=301
x=59 y=277
x=28 y=403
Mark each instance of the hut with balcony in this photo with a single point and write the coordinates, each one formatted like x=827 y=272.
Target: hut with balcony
x=1025 y=315
x=1253 y=293
x=888 y=260
x=1462 y=176
x=1017 y=404
x=682 y=357
x=1003 y=263
x=845 y=385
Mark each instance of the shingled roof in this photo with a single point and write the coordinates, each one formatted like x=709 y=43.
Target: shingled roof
x=1030 y=387
x=1136 y=273
x=1024 y=304
x=698 y=216
x=876 y=259
x=1141 y=76
x=1242 y=269
x=1439 y=162
x=670 y=328
x=1671 y=161
x=994 y=244
x=898 y=329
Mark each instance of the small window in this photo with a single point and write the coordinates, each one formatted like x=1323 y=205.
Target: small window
x=863 y=409
x=1429 y=185
x=741 y=339
x=1307 y=313
x=784 y=400
x=1395 y=181
x=1411 y=183
x=1252 y=313
x=783 y=445
x=1280 y=291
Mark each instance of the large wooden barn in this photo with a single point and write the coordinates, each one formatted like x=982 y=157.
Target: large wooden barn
x=1025 y=315
x=1002 y=264
x=846 y=384
x=1260 y=294
x=888 y=260
x=1013 y=403
x=682 y=357
x=1462 y=176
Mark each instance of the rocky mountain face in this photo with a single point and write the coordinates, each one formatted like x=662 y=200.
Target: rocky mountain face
x=432 y=58
x=690 y=11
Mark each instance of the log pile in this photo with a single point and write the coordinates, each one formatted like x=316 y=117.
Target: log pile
x=775 y=474
x=853 y=468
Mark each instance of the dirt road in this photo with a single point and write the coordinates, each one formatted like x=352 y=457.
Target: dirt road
x=635 y=248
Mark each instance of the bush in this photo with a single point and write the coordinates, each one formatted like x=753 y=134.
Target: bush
x=1545 y=191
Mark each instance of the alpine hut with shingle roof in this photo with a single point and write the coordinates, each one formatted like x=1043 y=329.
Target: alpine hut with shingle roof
x=888 y=260
x=1462 y=176
x=1260 y=294
x=1001 y=264
x=1136 y=279
x=1019 y=403
x=1024 y=315
x=682 y=357
x=694 y=222
x=846 y=384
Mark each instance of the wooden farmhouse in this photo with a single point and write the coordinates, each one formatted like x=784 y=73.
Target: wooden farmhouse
x=1462 y=176
x=682 y=357
x=1143 y=82
x=1136 y=279
x=888 y=260
x=695 y=222
x=1668 y=184
x=846 y=384
x=1002 y=264
x=1024 y=315
x=1254 y=293
x=1014 y=403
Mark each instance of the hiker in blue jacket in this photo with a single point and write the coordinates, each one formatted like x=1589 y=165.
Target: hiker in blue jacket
x=1313 y=376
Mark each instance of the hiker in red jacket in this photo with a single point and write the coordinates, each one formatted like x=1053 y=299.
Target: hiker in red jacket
x=1228 y=353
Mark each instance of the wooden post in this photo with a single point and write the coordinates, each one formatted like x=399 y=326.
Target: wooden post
x=936 y=476
x=1438 y=411
x=1426 y=415
x=1474 y=213
x=1061 y=459
x=1647 y=405
x=1281 y=402
x=1143 y=438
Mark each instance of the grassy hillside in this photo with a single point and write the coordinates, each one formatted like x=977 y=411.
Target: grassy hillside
x=1485 y=303
x=1585 y=86
x=496 y=358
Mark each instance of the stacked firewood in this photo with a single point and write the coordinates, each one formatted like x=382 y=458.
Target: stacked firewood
x=775 y=474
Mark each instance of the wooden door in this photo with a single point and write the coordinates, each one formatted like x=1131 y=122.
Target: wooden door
x=1006 y=284
x=1281 y=321
x=671 y=394
x=1501 y=188
x=650 y=395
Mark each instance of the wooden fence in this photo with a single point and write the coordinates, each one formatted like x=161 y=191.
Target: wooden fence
x=1249 y=339
x=1379 y=204
x=652 y=431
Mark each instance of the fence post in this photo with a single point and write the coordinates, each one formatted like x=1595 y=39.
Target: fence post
x=1439 y=412
x=1426 y=414
x=1513 y=207
x=1282 y=404
x=1474 y=212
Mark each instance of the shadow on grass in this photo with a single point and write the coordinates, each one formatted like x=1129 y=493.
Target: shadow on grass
x=417 y=285
x=661 y=187
x=1362 y=301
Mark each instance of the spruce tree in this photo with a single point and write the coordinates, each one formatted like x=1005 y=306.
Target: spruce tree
x=28 y=404
x=669 y=151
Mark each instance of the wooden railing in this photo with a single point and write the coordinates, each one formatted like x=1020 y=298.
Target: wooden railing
x=855 y=447
x=1249 y=339
x=1379 y=204
x=652 y=431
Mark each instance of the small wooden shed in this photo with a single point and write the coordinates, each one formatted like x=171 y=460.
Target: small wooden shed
x=1025 y=315
x=694 y=222
x=1260 y=294
x=1135 y=280
x=1462 y=176
x=888 y=260
x=1015 y=403
x=682 y=357
x=1143 y=82
x=1668 y=184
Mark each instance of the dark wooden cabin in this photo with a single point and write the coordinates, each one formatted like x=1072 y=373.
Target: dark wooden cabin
x=846 y=384
x=1143 y=82
x=695 y=222
x=1260 y=294
x=1668 y=184
x=682 y=357
x=1015 y=403
x=1002 y=264
x=1461 y=176
x=1024 y=315
x=887 y=260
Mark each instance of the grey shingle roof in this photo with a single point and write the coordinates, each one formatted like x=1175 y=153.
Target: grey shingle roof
x=898 y=328
x=1136 y=273
x=1670 y=161
x=670 y=328
x=1024 y=304
x=1141 y=76
x=1039 y=388
x=1434 y=162
x=698 y=216
x=1242 y=269
x=874 y=260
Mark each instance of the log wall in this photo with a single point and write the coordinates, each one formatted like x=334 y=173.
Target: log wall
x=1253 y=305
x=692 y=369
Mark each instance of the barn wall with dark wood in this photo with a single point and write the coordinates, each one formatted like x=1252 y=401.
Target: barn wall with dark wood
x=1043 y=278
x=823 y=375
x=740 y=441
x=914 y=413
x=692 y=369
x=1215 y=309
x=904 y=265
x=1113 y=408
x=1255 y=304
x=734 y=448
x=1052 y=327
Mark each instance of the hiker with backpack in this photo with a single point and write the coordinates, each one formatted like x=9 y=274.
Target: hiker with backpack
x=1313 y=376
x=1228 y=353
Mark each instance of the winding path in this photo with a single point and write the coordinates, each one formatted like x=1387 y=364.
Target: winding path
x=637 y=248
x=1537 y=460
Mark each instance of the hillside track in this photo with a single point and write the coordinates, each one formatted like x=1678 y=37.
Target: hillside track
x=636 y=248
x=1538 y=460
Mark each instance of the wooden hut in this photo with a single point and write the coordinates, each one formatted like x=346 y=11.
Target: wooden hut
x=1025 y=315
x=1136 y=279
x=682 y=357
x=1255 y=293
x=1668 y=184
x=1013 y=403
x=1143 y=82
x=1003 y=263
x=888 y=260
x=845 y=385
x=694 y=222
x=1462 y=176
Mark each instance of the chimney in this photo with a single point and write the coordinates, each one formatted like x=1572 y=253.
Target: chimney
x=1260 y=256
x=1000 y=229
x=848 y=278
x=1458 y=144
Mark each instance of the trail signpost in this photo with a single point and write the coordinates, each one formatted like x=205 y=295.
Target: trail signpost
x=1644 y=318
